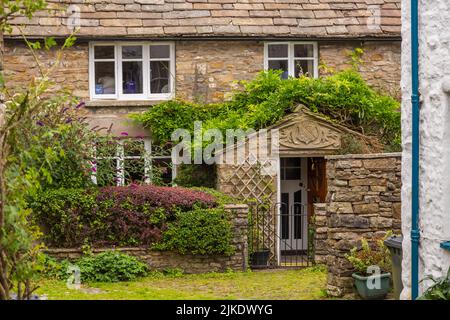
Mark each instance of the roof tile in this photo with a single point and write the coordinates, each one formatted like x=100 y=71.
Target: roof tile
x=203 y=18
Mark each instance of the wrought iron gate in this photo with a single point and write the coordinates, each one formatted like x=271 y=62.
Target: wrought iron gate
x=279 y=236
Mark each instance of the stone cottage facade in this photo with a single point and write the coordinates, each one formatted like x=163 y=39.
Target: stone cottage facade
x=434 y=160
x=131 y=54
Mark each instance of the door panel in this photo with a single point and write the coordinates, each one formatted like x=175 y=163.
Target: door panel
x=317 y=183
x=293 y=222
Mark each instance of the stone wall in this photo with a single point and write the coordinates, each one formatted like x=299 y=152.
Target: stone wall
x=363 y=201
x=380 y=66
x=206 y=70
x=160 y=260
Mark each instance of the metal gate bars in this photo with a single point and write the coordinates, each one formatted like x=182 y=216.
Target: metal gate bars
x=279 y=236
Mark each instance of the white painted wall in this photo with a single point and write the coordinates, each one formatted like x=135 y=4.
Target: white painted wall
x=434 y=59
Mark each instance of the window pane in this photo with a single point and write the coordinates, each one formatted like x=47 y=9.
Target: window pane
x=304 y=67
x=104 y=52
x=132 y=77
x=303 y=51
x=292 y=162
x=159 y=76
x=278 y=51
x=159 y=52
x=132 y=52
x=292 y=174
x=280 y=65
x=105 y=82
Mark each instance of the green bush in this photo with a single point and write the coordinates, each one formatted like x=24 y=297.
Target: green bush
x=109 y=266
x=343 y=97
x=177 y=219
x=196 y=175
x=200 y=231
x=363 y=258
x=63 y=215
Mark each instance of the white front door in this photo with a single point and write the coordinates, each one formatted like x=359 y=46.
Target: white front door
x=293 y=220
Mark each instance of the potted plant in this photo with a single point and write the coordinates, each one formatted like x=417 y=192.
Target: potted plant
x=366 y=261
x=259 y=253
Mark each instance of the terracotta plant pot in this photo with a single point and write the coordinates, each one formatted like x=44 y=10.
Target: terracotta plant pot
x=372 y=293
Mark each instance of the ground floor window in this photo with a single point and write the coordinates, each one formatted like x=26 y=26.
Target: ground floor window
x=132 y=160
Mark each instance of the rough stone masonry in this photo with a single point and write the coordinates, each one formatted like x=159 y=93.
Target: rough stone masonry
x=363 y=201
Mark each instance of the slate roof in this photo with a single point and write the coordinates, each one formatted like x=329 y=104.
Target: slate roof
x=218 y=18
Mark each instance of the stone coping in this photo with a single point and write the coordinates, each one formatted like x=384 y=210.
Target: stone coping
x=365 y=156
x=95 y=250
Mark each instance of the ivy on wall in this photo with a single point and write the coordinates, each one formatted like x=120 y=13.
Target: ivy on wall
x=343 y=97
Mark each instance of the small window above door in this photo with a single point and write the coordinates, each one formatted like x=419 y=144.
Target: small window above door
x=291 y=168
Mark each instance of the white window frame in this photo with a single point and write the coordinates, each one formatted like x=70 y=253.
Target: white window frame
x=290 y=58
x=120 y=159
x=119 y=95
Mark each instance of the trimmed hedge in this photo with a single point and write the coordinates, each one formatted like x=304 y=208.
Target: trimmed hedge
x=112 y=216
x=200 y=231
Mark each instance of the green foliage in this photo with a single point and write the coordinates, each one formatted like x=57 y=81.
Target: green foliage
x=76 y=217
x=52 y=268
x=439 y=290
x=367 y=256
x=57 y=211
x=350 y=145
x=196 y=175
x=200 y=231
x=220 y=197
x=109 y=266
x=344 y=97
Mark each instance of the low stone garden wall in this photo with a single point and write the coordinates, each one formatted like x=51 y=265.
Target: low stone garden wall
x=363 y=201
x=160 y=260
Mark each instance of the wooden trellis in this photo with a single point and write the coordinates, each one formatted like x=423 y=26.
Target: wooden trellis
x=251 y=182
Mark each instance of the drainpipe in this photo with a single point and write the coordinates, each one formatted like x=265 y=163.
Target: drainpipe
x=415 y=234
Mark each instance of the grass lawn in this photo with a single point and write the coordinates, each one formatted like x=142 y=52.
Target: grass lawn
x=302 y=284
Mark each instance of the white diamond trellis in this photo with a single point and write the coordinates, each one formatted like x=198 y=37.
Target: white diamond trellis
x=255 y=183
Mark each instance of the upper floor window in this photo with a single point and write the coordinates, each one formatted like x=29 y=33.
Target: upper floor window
x=293 y=58
x=131 y=71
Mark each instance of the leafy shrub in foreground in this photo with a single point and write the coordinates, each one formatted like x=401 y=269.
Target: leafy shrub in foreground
x=200 y=231
x=109 y=266
x=123 y=216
